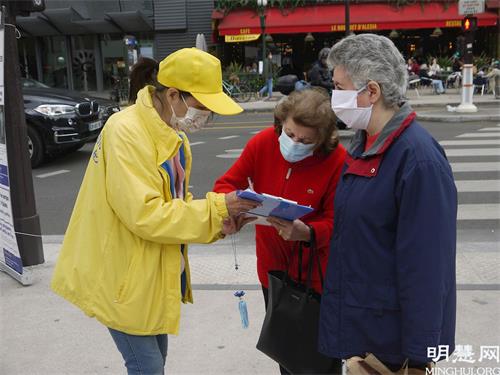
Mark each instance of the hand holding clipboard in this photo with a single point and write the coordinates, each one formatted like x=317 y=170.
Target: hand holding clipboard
x=274 y=206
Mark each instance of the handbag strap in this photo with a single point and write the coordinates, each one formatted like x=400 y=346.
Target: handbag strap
x=299 y=264
x=286 y=274
x=313 y=258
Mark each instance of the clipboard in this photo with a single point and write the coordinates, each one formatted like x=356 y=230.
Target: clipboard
x=274 y=206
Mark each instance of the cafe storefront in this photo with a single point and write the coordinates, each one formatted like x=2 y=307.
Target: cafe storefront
x=417 y=30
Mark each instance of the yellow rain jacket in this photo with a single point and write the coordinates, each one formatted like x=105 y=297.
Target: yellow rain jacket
x=121 y=257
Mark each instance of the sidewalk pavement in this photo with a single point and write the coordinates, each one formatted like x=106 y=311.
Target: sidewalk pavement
x=429 y=106
x=43 y=334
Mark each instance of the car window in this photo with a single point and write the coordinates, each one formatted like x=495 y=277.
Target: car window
x=31 y=83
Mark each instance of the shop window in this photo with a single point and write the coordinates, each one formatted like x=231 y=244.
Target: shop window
x=27 y=58
x=83 y=63
x=54 y=64
x=114 y=56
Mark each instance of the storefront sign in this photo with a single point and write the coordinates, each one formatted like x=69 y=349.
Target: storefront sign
x=466 y=7
x=356 y=27
x=241 y=38
x=9 y=251
x=454 y=23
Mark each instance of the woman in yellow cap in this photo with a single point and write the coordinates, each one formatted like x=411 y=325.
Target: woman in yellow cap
x=124 y=257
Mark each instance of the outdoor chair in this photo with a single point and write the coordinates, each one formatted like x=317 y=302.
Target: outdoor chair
x=414 y=84
x=454 y=80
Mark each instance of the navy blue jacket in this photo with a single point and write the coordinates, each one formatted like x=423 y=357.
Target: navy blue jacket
x=390 y=286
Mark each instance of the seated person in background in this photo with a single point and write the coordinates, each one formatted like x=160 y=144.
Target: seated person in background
x=427 y=80
x=423 y=74
x=413 y=69
x=434 y=69
x=480 y=81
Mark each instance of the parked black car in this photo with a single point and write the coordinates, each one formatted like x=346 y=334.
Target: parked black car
x=61 y=120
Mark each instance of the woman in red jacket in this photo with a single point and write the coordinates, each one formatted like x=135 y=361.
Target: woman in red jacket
x=299 y=159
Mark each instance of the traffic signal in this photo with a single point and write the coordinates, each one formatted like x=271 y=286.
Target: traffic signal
x=469 y=24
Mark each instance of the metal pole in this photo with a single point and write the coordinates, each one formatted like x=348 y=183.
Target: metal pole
x=26 y=219
x=347 y=18
x=263 y=35
x=467 y=104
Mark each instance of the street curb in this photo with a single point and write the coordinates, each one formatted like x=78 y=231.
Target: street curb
x=421 y=116
x=457 y=118
x=443 y=118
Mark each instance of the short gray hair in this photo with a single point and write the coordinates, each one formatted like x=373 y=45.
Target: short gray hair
x=370 y=57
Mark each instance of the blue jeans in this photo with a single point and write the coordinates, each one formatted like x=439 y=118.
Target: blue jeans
x=143 y=355
x=438 y=86
x=268 y=86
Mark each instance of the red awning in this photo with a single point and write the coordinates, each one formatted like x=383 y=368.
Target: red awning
x=364 y=17
x=493 y=3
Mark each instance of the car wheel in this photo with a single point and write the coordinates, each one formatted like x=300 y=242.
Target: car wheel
x=36 y=148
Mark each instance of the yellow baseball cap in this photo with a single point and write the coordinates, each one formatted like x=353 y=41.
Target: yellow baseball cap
x=199 y=73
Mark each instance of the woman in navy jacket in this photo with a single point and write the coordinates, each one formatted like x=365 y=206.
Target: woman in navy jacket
x=390 y=286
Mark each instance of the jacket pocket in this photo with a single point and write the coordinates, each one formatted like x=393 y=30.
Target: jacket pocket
x=371 y=296
x=125 y=284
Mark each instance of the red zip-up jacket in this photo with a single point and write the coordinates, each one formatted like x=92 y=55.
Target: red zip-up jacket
x=311 y=181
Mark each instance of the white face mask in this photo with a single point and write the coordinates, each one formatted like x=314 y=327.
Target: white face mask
x=345 y=106
x=294 y=151
x=193 y=120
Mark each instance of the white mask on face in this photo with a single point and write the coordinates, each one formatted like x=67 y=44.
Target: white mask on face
x=193 y=120
x=345 y=106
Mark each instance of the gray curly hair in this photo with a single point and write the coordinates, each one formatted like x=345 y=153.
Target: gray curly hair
x=370 y=57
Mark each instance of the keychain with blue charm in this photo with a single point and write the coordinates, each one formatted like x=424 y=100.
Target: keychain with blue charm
x=242 y=305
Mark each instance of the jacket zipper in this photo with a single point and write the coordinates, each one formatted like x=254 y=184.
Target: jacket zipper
x=287 y=178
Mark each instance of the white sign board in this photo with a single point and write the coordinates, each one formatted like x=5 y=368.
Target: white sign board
x=9 y=250
x=466 y=7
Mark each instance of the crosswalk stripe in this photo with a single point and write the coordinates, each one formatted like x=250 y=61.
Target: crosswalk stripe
x=472 y=151
x=475 y=167
x=477 y=185
x=478 y=211
x=231 y=154
x=489 y=130
x=51 y=174
x=196 y=143
x=229 y=137
x=476 y=142
x=479 y=135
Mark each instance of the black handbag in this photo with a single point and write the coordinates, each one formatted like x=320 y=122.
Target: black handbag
x=289 y=333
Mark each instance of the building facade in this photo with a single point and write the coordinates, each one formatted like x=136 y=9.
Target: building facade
x=298 y=30
x=89 y=45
